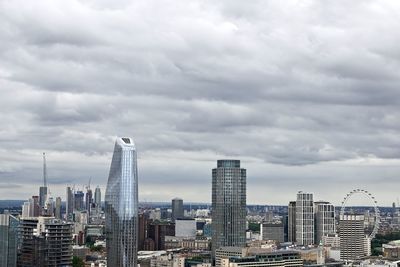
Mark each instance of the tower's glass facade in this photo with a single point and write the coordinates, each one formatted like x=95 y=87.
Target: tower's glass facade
x=228 y=204
x=122 y=206
x=8 y=240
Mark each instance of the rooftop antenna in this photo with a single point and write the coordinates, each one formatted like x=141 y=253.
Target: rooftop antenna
x=44 y=170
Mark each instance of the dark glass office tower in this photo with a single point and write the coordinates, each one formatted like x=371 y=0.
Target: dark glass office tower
x=8 y=240
x=228 y=205
x=177 y=209
x=69 y=204
x=292 y=222
x=122 y=206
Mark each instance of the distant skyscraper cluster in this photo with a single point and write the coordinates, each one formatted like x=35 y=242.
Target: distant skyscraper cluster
x=44 y=233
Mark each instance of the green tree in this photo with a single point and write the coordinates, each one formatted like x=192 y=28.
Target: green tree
x=254 y=226
x=77 y=262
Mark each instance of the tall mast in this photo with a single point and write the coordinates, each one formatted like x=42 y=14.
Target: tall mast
x=44 y=170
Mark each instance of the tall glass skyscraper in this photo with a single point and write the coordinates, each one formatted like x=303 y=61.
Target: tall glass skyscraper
x=8 y=240
x=228 y=205
x=122 y=206
x=97 y=197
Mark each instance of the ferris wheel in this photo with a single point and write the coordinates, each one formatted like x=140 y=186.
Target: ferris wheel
x=374 y=203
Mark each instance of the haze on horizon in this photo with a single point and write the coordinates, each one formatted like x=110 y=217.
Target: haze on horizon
x=305 y=93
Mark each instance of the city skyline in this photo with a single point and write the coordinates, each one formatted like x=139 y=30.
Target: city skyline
x=308 y=89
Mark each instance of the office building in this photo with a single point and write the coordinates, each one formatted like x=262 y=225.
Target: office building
x=69 y=204
x=304 y=219
x=185 y=228
x=122 y=206
x=35 y=206
x=267 y=259
x=352 y=236
x=228 y=252
x=97 y=199
x=89 y=199
x=177 y=209
x=26 y=210
x=57 y=212
x=78 y=200
x=144 y=223
x=324 y=220
x=42 y=196
x=8 y=240
x=292 y=222
x=228 y=204
x=272 y=231
x=43 y=189
x=157 y=231
x=49 y=207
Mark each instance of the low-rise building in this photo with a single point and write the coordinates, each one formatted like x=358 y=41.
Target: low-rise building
x=275 y=259
x=391 y=250
x=272 y=231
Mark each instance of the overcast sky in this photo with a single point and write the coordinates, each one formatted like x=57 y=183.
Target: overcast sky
x=305 y=93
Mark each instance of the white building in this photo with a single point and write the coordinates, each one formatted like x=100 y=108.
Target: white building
x=304 y=219
x=352 y=243
x=185 y=228
x=324 y=220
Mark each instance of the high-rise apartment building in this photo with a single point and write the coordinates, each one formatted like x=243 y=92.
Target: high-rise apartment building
x=45 y=241
x=8 y=240
x=324 y=220
x=69 y=209
x=228 y=204
x=177 y=209
x=304 y=219
x=122 y=206
x=351 y=233
x=292 y=222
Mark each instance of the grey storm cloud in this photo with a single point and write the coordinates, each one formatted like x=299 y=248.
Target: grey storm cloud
x=305 y=93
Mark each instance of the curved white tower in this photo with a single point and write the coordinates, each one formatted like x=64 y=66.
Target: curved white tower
x=122 y=205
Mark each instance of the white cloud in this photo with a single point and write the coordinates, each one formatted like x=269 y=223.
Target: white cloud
x=296 y=89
